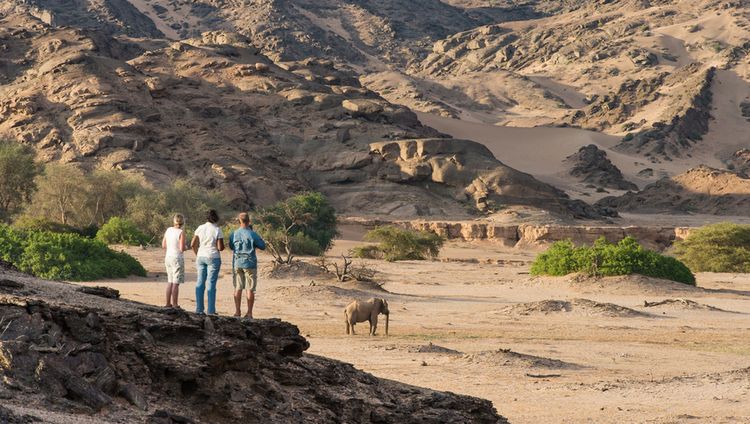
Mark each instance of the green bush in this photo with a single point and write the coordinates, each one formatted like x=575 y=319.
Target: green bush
x=64 y=256
x=11 y=244
x=397 y=244
x=604 y=258
x=723 y=247
x=121 y=231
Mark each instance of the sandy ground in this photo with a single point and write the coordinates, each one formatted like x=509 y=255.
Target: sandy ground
x=595 y=363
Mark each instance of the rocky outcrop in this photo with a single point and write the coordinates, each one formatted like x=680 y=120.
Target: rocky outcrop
x=591 y=165
x=740 y=161
x=685 y=124
x=110 y=16
x=616 y=108
x=702 y=189
x=66 y=355
x=471 y=172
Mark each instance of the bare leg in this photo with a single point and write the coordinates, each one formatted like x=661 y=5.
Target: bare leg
x=175 y=295
x=250 y=303
x=169 y=295
x=237 y=302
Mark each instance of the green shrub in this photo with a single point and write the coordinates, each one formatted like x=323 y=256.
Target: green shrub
x=11 y=244
x=64 y=256
x=121 y=231
x=604 y=258
x=723 y=247
x=397 y=244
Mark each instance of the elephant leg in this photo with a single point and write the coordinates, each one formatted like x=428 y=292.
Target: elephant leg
x=353 y=333
x=373 y=325
x=347 y=327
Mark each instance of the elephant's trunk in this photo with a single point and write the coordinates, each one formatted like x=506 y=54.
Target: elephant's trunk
x=386 y=324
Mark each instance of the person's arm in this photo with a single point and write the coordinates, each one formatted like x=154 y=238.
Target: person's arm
x=195 y=243
x=231 y=242
x=259 y=242
x=220 y=241
x=164 y=242
x=183 y=246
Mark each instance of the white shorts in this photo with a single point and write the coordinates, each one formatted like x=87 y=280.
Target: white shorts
x=175 y=270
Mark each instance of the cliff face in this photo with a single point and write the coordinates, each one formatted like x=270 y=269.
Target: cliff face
x=67 y=355
x=539 y=236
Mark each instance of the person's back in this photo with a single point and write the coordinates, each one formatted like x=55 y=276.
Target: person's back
x=243 y=242
x=207 y=244
x=208 y=234
x=172 y=239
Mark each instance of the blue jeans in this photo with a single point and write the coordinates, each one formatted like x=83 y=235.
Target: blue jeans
x=208 y=270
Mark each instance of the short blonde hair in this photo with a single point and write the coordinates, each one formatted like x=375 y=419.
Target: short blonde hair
x=178 y=220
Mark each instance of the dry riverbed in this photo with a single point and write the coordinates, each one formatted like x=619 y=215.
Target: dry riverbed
x=543 y=350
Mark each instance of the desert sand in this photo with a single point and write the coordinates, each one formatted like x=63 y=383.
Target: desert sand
x=543 y=350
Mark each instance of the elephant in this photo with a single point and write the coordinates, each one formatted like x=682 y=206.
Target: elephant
x=361 y=311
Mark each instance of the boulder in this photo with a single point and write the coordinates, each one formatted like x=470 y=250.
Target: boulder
x=362 y=106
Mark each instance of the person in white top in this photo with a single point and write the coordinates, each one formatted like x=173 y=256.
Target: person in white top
x=174 y=261
x=207 y=244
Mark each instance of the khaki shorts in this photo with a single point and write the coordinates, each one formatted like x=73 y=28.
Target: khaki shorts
x=241 y=277
x=175 y=270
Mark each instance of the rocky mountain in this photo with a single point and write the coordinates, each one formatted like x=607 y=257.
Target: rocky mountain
x=265 y=98
x=699 y=190
x=669 y=77
x=215 y=109
x=71 y=355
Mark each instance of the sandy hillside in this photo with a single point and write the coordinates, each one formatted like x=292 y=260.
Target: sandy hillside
x=589 y=351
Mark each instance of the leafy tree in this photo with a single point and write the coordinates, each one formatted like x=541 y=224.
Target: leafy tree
x=723 y=247
x=107 y=193
x=151 y=211
x=396 y=244
x=302 y=224
x=604 y=258
x=17 y=173
x=61 y=194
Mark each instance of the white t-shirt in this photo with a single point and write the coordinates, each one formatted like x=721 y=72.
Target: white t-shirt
x=172 y=237
x=207 y=234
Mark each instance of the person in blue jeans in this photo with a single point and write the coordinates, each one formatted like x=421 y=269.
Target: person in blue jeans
x=207 y=244
x=243 y=243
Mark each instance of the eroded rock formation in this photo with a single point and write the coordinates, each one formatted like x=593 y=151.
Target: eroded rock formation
x=702 y=189
x=469 y=170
